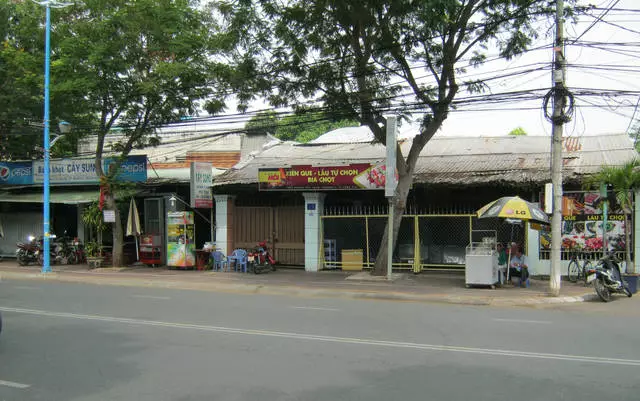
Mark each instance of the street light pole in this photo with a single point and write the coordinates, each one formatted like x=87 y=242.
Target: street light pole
x=46 y=265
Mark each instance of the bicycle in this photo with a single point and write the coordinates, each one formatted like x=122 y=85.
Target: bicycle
x=576 y=272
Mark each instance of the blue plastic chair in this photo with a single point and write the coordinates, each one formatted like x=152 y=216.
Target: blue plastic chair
x=239 y=260
x=219 y=261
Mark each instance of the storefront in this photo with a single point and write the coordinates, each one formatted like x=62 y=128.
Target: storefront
x=337 y=188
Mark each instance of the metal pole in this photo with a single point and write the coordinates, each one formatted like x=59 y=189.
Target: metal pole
x=46 y=265
x=390 y=239
x=556 y=161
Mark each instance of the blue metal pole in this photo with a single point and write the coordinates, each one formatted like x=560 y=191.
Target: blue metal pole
x=46 y=266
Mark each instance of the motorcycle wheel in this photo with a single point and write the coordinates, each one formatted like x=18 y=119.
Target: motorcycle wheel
x=602 y=291
x=72 y=258
x=273 y=267
x=22 y=259
x=628 y=292
x=41 y=259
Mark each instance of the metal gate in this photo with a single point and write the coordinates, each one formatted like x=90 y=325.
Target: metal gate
x=281 y=226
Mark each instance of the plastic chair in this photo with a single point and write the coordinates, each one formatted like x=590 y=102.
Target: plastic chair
x=239 y=259
x=219 y=261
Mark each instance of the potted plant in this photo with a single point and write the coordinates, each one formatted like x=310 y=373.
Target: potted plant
x=93 y=251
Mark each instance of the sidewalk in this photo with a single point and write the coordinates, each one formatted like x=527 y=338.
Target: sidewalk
x=441 y=287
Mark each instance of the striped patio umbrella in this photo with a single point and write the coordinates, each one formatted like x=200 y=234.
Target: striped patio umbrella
x=513 y=207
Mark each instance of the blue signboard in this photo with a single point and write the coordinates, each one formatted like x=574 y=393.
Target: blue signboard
x=16 y=173
x=133 y=169
x=71 y=171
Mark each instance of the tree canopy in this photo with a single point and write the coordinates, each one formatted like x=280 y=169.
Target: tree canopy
x=518 y=131
x=366 y=59
x=300 y=127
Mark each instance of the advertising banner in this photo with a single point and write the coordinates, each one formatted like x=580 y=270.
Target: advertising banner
x=181 y=244
x=201 y=179
x=353 y=176
x=71 y=171
x=16 y=173
x=583 y=223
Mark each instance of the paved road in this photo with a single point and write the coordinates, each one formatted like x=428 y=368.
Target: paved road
x=65 y=341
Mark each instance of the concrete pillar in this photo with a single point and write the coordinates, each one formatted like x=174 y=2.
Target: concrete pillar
x=313 y=210
x=80 y=226
x=224 y=223
x=636 y=231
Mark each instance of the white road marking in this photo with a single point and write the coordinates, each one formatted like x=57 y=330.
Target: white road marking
x=150 y=297
x=523 y=321
x=330 y=339
x=14 y=384
x=316 y=308
x=25 y=287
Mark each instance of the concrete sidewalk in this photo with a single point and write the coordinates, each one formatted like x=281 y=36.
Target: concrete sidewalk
x=442 y=287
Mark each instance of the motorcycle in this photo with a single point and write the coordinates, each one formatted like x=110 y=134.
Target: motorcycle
x=260 y=260
x=56 y=253
x=607 y=279
x=27 y=252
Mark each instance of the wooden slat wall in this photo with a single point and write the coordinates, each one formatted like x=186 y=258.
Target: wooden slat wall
x=255 y=224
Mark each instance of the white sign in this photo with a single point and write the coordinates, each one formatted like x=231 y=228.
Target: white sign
x=109 y=216
x=201 y=180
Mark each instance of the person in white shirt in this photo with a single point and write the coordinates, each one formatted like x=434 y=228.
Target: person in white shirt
x=519 y=266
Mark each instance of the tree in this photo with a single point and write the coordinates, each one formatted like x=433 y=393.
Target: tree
x=134 y=65
x=518 y=131
x=624 y=180
x=367 y=58
x=303 y=126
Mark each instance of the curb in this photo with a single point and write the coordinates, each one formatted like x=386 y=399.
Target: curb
x=158 y=282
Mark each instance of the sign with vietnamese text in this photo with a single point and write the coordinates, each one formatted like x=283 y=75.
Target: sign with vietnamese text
x=201 y=180
x=353 y=176
x=71 y=171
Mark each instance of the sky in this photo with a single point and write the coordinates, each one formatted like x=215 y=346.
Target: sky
x=613 y=116
x=600 y=56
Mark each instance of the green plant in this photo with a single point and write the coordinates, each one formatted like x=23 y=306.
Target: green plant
x=93 y=218
x=93 y=249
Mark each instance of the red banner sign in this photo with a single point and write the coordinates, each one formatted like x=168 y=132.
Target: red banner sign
x=353 y=176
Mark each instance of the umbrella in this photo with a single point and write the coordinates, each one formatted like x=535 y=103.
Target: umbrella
x=133 y=224
x=1 y=230
x=514 y=209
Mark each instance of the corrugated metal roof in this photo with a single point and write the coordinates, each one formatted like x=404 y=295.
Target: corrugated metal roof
x=454 y=160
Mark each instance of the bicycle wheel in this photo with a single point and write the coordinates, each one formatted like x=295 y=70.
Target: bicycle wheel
x=585 y=270
x=574 y=271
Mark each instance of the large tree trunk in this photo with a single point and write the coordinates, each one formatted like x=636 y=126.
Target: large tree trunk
x=399 y=204
x=117 y=252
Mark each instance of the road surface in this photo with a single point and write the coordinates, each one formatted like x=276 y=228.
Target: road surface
x=65 y=341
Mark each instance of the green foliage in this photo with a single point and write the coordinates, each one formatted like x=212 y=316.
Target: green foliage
x=301 y=127
x=624 y=179
x=518 y=131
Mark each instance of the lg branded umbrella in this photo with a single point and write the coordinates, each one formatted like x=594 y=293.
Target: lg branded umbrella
x=133 y=224
x=514 y=209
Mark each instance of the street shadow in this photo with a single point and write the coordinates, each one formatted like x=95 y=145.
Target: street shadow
x=63 y=359
x=442 y=381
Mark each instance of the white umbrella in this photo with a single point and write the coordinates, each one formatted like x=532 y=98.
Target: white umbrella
x=1 y=229
x=133 y=224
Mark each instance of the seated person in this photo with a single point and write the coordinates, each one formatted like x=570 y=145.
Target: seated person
x=519 y=266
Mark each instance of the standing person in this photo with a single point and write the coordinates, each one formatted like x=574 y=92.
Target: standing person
x=502 y=262
x=519 y=266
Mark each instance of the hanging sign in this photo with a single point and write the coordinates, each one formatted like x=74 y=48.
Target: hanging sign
x=201 y=180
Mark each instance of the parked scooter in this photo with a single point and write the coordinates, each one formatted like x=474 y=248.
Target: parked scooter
x=260 y=260
x=27 y=252
x=607 y=279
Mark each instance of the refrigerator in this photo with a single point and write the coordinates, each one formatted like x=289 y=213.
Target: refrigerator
x=181 y=242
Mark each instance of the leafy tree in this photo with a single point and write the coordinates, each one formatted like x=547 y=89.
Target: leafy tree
x=303 y=126
x=135 y=65
x=519 y=131
x=624 y=180
x=363 y=59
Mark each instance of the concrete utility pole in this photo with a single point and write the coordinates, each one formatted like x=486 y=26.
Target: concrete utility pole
x=556 y=151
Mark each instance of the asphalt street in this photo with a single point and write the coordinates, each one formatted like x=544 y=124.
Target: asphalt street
x=68 y=341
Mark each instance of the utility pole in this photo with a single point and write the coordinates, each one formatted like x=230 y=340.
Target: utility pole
x=558 y=119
